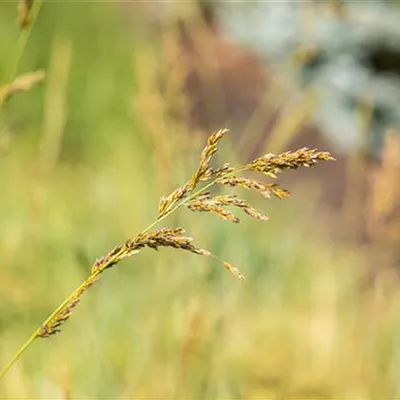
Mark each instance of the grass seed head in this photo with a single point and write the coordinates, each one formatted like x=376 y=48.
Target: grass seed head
x=208 y=205
x=204 y=172
x=53 y=325
x=21 y=83
x=200 y=200
x=165 y=237
x=265 y=189
x=207 y=153
x=272 y=164
x=223 y=171
x=233 y=270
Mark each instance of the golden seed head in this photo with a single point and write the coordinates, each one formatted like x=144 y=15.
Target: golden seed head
x=232 y=269
x=21 y=83
x=215 y=204
x=269 y=165
x=210 y=149
x=53 y=326
x=210 y=206
x=265 y=189
x=272 y=164
x=203 y=173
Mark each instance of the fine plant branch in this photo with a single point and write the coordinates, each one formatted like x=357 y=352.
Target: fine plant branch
x=28 y=11
x=21 y=83
x=195 y=198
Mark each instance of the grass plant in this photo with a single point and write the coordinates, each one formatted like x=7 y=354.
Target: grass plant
x=195 y=195
x=316 y=318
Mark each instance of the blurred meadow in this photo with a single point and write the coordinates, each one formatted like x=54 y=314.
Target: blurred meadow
x=131 y=92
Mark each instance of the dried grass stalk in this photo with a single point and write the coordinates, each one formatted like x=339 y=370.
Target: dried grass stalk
x=21 y=83
x=196 y=199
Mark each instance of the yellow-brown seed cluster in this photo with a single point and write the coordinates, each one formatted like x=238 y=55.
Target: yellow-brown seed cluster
x=21 y=83
x=165 y=238
x=272 y=164
x=161 y=238
x=199 y=200
x=233 y=270
x=53 y=325
x=266 y=189
x=206 y=203
x=204 y=172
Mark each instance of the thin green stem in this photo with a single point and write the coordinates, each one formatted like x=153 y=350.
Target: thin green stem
x=21 y=43
x=195 y=194
x=9 y=76
x=18 y=354
x=19 y=50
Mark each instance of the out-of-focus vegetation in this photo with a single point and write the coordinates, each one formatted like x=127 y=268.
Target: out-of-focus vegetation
x=348 y=49
x=85 y=157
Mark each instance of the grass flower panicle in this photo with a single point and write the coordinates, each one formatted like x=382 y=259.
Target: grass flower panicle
x=196 y=196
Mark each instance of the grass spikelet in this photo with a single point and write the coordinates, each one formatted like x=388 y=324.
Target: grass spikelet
x=206 y=155
x=64 y=312
x=233 y=270
x=215 y=204
x=223 y=171
x=208 y=204
x=277 y=191
x=233 y=200
x=165 y=238
x=265 y=189
x=167 y=203
x=203 y=173
x=272 y=164
x=21 y=83
x=191 y=196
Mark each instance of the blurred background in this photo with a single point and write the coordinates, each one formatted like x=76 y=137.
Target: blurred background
x=130 y=94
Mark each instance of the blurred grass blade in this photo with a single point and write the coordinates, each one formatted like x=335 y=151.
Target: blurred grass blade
x=55 y=103
x=24 y=13
x=291 y=121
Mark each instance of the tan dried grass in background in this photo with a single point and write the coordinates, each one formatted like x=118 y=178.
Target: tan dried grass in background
x=161 y=105
x=382 y=212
